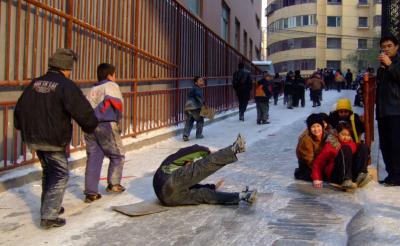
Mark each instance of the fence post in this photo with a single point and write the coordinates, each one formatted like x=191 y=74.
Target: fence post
x=135 y=69
x=68 y=31
x=178 y=62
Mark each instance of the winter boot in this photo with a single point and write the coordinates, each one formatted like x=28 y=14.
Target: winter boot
x=363 y=179
x=247 y=195
x=239 y=145
x=185 y=138
x=348 y=184
x=47 y=224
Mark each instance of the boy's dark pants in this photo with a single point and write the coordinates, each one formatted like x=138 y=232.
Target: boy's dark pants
x=54 y=182
x=262 y=110
x=104 y=141
x=181 y=186
x=191 y=117
x=348 y=166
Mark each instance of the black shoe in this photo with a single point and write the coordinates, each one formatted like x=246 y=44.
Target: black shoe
x=91 y=198
x=241 y=118
x=258 y=122
x=185 y=138
x=117 y=188
x=47 y=224
x=61 y=211
x=200 y=137
x=265 y=122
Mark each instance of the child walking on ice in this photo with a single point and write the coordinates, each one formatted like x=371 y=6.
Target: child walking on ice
x=106 y=100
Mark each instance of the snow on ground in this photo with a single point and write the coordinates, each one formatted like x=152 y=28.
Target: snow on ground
x=287 y=211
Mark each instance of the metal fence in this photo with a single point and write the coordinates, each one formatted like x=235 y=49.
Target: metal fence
x=156 y=45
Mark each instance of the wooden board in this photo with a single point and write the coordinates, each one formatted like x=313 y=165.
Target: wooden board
x=140 y=208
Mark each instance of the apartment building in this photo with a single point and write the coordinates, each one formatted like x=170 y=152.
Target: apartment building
x=311 y=34
x=237 y=22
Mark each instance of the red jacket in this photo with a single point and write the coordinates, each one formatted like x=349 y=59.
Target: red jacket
x=325 y=161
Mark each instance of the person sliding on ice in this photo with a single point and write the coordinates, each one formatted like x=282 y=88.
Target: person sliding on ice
x=310 y=144
x=344 y=112
x=193 y=108
x=106 y=100
x=176 y=181
x=341 y=161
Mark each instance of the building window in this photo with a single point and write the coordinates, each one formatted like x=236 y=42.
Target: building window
x=225 y=22
x=334 y=21
x=337 y=2
x=251 y=49
x=362 y=44
x=237 y=34
x=258 y=22
x=334 y=65
x=289 y=44
x=334 y=43
x=362 y=21
x=244 y=42
x=304 y=64
x=377 y=20
x=362 y=2
x=194 y=6
x=291 y=22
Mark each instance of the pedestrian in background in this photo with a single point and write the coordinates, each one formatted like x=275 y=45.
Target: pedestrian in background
x=349 y=78
x=316 y=85
x=388 y=108
x=242 y=84
x=43 y=115
x=277 y=86
x=289 y=89
x=106 y=100
x=193 y=108
x=262 y=96
x=299 y=86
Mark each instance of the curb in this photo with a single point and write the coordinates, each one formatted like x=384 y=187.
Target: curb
x=36 y=175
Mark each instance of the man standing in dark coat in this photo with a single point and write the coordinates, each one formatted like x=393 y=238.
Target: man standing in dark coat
x=43 y=115
x=388 y=108
x=242 y=84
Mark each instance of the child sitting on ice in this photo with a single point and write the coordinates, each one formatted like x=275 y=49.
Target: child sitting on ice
x=342 y=161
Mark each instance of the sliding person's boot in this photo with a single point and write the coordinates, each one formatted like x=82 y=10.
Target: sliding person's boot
x=239 y=145
x=247 y=195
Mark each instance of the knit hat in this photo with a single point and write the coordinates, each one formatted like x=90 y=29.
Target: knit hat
x=314 y=119
x=343 y=104
x=63 y=59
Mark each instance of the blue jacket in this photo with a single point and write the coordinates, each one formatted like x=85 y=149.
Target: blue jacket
x=195 y=99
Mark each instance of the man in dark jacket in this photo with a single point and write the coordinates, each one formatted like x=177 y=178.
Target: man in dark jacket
x=242 y=84
x=43 y=115
x=176 y=181
x=299 y=86
x=388 y=108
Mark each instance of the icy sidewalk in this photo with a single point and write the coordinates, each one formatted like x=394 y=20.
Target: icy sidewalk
x=287 y=212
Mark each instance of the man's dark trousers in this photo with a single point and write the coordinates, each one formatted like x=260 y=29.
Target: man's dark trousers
x=179 y=190
x=389 y=136
x=54 y=182
x=243 y=98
